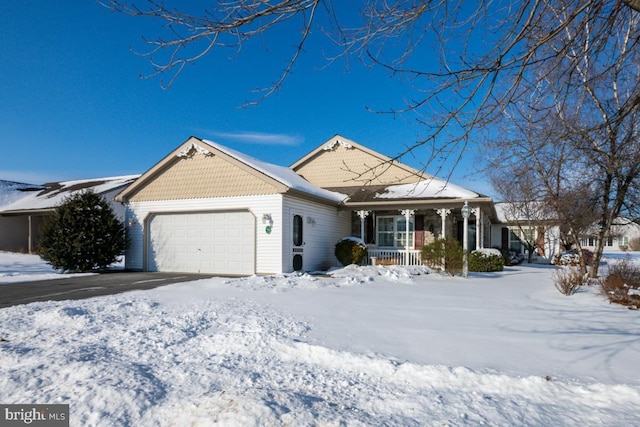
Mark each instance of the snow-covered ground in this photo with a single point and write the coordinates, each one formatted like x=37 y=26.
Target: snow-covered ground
x=362 y=347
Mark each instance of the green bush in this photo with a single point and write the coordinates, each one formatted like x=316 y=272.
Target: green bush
x=83 y=234
x=486 y=262
x=445 y=254
x=351 y=250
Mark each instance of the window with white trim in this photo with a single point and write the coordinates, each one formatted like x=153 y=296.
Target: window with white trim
x=392 y=231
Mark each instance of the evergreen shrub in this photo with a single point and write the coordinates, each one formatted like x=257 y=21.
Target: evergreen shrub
x=351 y=250
x=83 y=234
x=486 y=262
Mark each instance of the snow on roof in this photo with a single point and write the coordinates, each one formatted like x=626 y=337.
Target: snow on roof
x=11 y=191
x=429 y=188
x=282 y=174
x=52 y=194
x=522 y=211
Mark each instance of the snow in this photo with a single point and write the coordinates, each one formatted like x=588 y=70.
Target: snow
x=49 y=199
x=430 y=188
x=489 y=251
x=357 y=346
x=15 y=267
x=11 y=191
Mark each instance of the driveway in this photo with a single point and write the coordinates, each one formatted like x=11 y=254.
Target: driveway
x=88 y=286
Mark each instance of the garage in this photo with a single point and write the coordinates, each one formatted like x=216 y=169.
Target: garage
x=202 y=242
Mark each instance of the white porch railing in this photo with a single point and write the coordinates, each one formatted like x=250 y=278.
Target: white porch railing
x=393 y=257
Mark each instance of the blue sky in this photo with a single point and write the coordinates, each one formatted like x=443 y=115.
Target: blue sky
x=73 y=105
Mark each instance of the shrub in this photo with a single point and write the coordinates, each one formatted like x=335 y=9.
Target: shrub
x=485 y=261
x=83 y=234
x=445 y=254
x=567 y=280
x=351 y=250
x=622 y=283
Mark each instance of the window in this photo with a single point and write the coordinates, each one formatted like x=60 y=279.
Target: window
x=392 y=231
x=623 y=241
x=297 y=230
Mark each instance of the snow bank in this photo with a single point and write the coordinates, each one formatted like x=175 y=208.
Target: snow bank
x=360 y=346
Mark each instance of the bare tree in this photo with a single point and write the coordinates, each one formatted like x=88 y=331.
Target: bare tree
x=580 y=129
x=480 y=54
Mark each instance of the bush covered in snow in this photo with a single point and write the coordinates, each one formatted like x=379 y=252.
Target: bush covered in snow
x=572 y=258
x=83 y=234
x=486 y=260
x=351 y=250
x=445 y=254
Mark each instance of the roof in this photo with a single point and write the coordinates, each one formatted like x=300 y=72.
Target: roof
x=284 y=178
x=433 y=188
x=282 y=174
x=10 y=191
x=523 y=211
x=50 y=195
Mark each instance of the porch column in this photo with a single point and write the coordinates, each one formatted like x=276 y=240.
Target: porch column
x=29 y=246
x=363 y=215
x=479 y=228
x=408 y=213
x=443 y=214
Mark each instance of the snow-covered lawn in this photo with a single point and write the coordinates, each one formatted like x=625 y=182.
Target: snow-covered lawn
x=365 y=346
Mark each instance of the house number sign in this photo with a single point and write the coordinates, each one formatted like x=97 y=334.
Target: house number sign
x=267 y=229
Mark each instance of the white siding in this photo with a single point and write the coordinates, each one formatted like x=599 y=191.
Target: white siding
x=268 y=246
x=323 y=226
x=118 y=208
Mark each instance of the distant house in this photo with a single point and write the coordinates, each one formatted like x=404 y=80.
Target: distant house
x=622 y=232
x=23 y=207
x=207 y=208
x=519 y=223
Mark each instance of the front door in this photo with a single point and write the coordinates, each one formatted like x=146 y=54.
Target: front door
x=297 y=241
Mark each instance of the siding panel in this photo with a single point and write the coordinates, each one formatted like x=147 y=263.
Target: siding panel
x=323 y=226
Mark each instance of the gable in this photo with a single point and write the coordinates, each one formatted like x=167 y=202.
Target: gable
x=343 y=163
x=193 y=174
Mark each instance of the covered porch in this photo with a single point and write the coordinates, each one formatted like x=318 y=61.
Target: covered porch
x=395 y=234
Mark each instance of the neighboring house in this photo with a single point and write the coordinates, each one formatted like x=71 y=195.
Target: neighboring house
x=519 y=223
x=622 y=232
x=23 y=207
x=207 y=208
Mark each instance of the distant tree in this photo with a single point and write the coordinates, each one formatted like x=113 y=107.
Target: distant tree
x=83 y=234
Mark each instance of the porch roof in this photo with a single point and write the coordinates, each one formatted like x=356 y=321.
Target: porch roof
x=433 y=192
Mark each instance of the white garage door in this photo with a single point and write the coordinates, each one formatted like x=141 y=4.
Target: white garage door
x=203 y=242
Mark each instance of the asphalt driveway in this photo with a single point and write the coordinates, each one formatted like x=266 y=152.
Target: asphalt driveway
x=88 y=286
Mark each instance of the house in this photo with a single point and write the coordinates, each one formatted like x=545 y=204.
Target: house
x=623 y=231
x=23 y=207
x=519 y=224
x=385 y=195
x=208 y=208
